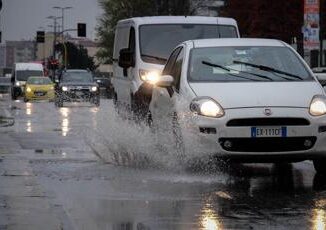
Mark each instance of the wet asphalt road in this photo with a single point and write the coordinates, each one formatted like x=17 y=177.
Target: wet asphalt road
x=71 y=168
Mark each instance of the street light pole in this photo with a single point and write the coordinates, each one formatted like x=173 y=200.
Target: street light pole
x=62 y=15
x=54 y=36
x=63 y=30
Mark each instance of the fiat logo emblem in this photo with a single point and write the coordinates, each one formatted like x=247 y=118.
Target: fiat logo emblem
x=268 y=112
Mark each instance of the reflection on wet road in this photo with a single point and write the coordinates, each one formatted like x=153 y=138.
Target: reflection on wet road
x=66 y=149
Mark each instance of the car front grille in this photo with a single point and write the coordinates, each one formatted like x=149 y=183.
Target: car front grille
x=268 y=122
x=270 y=144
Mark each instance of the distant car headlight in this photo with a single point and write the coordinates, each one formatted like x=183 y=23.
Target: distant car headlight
x=206 y=106
x=17 y=83
x=64 y=88
x=318 y=106
x=93 y=88
x=151 y=77
x=28 y=90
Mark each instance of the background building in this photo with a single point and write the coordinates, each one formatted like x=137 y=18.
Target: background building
x=17 y=51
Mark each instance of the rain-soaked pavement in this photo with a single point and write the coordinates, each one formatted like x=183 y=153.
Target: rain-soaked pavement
x=69 y=168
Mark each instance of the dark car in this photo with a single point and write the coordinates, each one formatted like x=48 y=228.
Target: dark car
x=5 y=84
x=105 y=85
x=77 y=86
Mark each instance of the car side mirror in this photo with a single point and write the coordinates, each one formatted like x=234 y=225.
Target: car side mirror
x=165 y=81
x=321 y=78
x=126 y=58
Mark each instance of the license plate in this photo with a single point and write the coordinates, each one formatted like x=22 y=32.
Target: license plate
x=39 y=93
x=268 y=132
x=79 y=93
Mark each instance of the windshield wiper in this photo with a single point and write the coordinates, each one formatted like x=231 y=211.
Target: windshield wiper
x=154 y=57
x=229 y=70
x=269 y=69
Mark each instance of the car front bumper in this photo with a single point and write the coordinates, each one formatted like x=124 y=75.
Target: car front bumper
x=78 y=95
x=40 y=95
x=303 y=141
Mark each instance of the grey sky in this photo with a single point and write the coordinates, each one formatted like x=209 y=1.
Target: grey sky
x=20 y=19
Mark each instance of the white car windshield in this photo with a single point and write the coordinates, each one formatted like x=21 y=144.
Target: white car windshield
x=23 y=75
x=228 y=64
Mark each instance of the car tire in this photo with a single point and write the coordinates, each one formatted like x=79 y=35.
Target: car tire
x=95 y=101
x=25 y=99
x=58 y=102
x=13 y=95
x=320 y=166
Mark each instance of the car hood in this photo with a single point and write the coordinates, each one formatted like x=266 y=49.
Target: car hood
x=261 y=94
x=78 y=84
x=40 y=87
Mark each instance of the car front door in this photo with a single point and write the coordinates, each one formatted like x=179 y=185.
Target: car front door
x=164 y=99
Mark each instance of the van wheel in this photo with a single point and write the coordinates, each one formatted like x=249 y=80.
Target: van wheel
x=320 y=166
x=13 y=95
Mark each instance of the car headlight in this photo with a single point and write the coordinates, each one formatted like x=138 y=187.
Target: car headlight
x=64 y=88
x=206 y=106
x=318 y=106
x=17 y=83
x=28 y=90
x=93 y=88
x=151 y=77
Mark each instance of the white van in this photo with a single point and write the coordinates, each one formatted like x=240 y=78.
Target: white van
x=142 y=46
x=20 y=73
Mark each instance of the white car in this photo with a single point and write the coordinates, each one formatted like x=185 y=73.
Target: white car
x=244 y=99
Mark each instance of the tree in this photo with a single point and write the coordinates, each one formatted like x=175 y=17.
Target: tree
x=77 y=56
x=268 y=19
x=115 y=10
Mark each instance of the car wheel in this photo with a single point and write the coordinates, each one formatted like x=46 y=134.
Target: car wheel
x=320 y=166
x=58 y=102
x=25 y=99
x=96 y=101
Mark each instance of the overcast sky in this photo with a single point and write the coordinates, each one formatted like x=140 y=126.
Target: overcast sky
x=20 y=19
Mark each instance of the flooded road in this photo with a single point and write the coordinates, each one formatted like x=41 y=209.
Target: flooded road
x=77 y=168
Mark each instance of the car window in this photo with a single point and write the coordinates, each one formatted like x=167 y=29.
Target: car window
x=170 y=63
x=39 y=81
x=77 y=77
x=252 y=63
x=157 y=40
x=177 y=68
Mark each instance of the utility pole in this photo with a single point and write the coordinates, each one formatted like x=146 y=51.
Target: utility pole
x=62 y=15
x=54 y=32
x=54 y=39
x=321 y=31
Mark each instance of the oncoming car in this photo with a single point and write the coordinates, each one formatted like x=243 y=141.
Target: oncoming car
x=39 y=88
x=243 y=99
x=77 y=86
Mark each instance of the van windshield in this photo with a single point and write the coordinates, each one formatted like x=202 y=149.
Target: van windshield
x=23 y=75
x=157 y=41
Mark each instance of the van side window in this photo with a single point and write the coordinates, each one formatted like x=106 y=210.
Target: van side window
x=132 y=40
x=170 y=63
x=176 y=70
